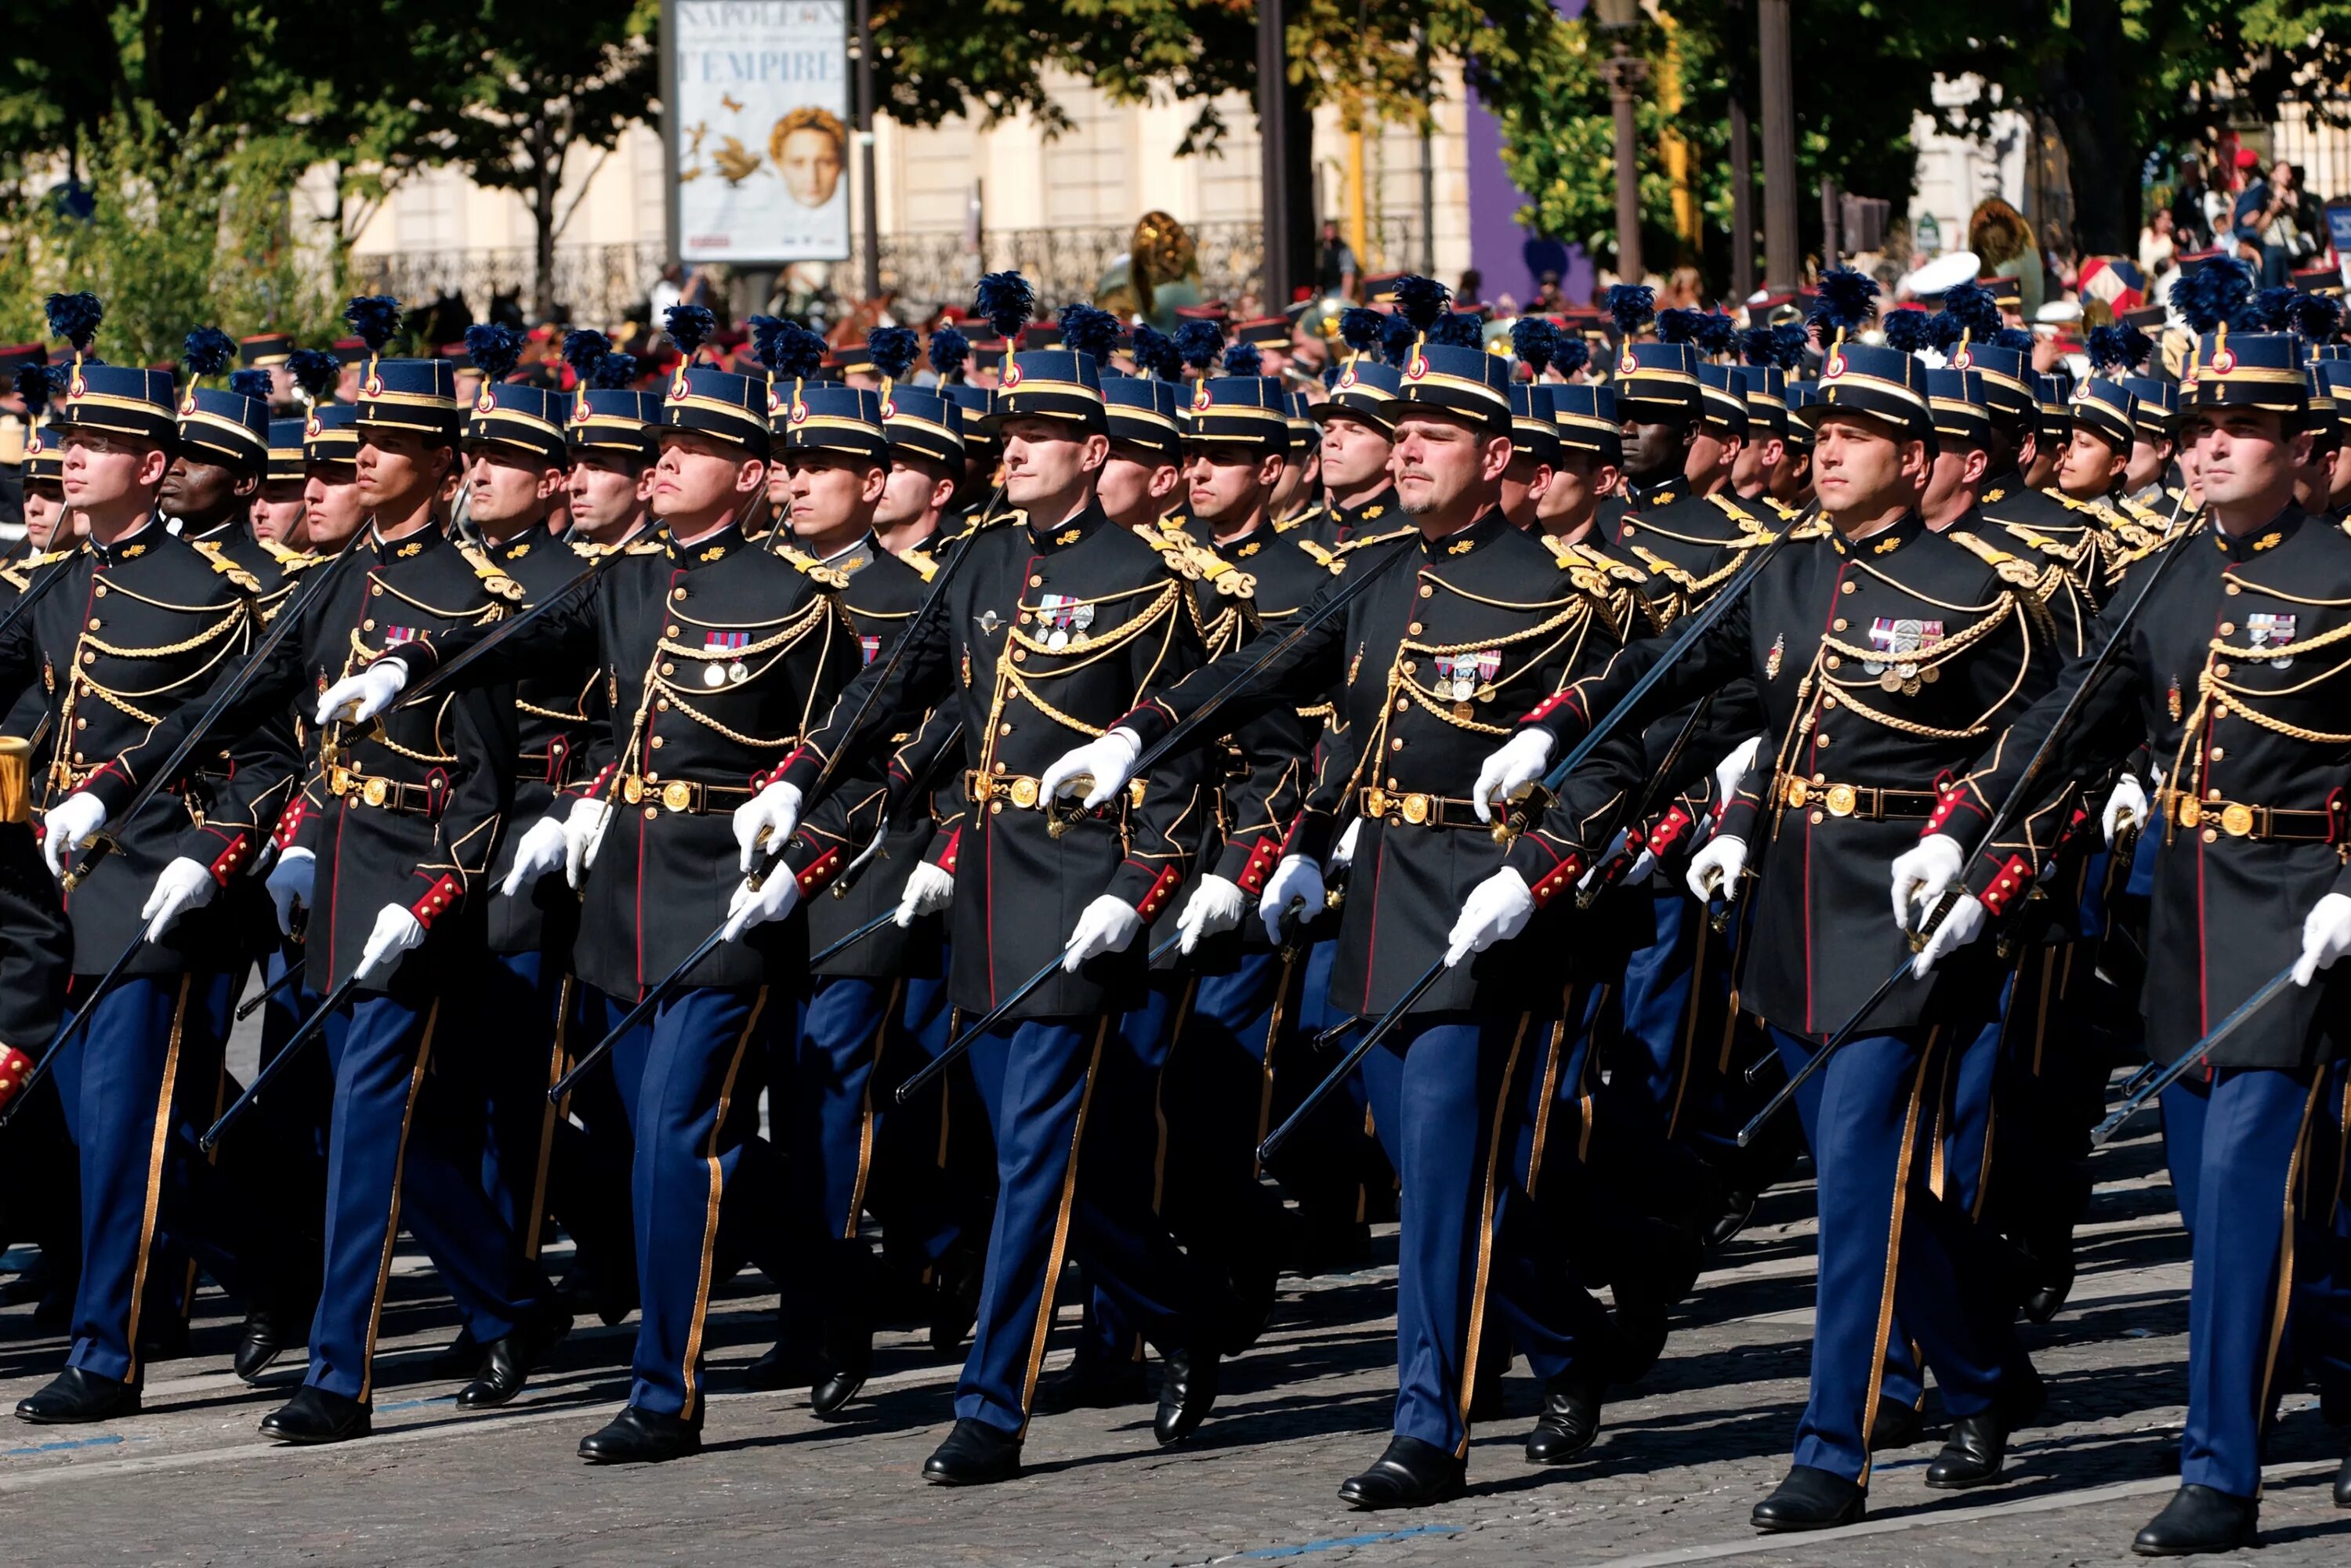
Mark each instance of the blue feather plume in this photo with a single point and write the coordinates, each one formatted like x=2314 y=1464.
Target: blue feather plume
x=207 y=351
x=1631 y=304
x=2015 y=338
x=1330 y=377
x=494 y=348
x=2117 y=348
x=2317 y=317
x=1906 y=331
x=1458 y=330
x=315 y=371
x=1155 y=355
x=1789 y=342
x=689 y=327
x=254 y=384
x=1755 y=347
x=1716 y=333
x=1008 y=301
x=2212 y=295
x=894 y=349
x=767 y=339
x=2273 y=308
x=950 y=350
x=1534 y=340
x=1845 y=299
x=1198 y=343
x=32 y=386
x=1419 y=300
x=583 y=347
x=1678 y=325
x=1972 y=307
x=1089 y=330
x=798 y=352
x=1244 y=360
x=1358 y=328
x=613 y=371
x=1570 y=355
x=1396 y=340
x=74 y=317
x=375 y=318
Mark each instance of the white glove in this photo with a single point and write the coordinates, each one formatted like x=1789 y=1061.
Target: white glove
x=1959 y=927
x=355 y=699
x=2128 y=801
x=1921 y=874
x=2325 y=936
x=766 y=817
x=1714 y=870
x=583 y=832
x=1733 y=768
x=1105 y=926
x=771 y=900
x=1495 y=910
x=396 y=931
x=289 y=884
x=184 y=885
x=1296 y=879
x=1518 y=762
x=542 y=850
x=1215 y=907
x=1109 y=761
x=929 y=889
x=1344 y=851
x=67 y=826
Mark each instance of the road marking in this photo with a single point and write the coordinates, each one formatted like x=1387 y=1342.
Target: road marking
x=1932 y=1519
x=107 y=1442
x=1335 y=1542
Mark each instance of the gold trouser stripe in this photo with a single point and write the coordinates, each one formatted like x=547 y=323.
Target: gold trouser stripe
x=391 y=1221
x=1061 y=1233
x=865 y=1115
x=1486 y=1234
x=1542 y=1104
x=1685 y=1053
x=1265 y=1089
x=946 y=1094
x=2049 y=986
x=1883 y=1340
x=2282 y=1282
x=1159 y=1098
x=156 y=1144
x=1938 y=1173
x=1587 y=1105
x=533 y=1217
x=710 y=1215
x=1729 y=1033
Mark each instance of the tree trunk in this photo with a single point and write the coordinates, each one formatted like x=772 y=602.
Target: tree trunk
x=542 y=217
x=2084 y=93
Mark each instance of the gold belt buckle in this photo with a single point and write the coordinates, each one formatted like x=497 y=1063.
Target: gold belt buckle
x=339 y=779
x=1417 y=809
x=2191 y=811
x=1134 y=787
x=677 y=795
x=2237 y=819
x=1376 y=802
x=1797 y=792
x=1024 y=792
x=1842 y=799
x=374 y=791
x=633 y=789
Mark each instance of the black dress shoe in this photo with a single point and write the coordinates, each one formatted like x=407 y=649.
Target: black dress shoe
x=975 y=1454
x=1187 y=1390
x=271 y=1329
x=1737 y=1208
x=461 y=1357
x=509 y=1360
x=1971 y=1454
x=844 y=1361
x=1811 y=1498
x=1087 y=1384
x=2198 y=1520
x=2343 y=1484
x=637 y=1436
x=1410 y=1474
x=75 y=1396
x=318 y=1416
x=1895 y=1426
x=1570 y=1420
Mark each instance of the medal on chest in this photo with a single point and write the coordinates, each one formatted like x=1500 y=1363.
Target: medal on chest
x=396 y=636
x=2269 y=632
x=2171 y=702
x=1062 y=618
x=1462 y=676
x=1899 y=640
x=1772 y=659
x=714 y=674
x=867 y=648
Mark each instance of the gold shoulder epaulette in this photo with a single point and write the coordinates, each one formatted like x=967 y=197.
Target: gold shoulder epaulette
x=1603 y=561
x=1328 y=559
x=1813 y=527
x=1586 y=577
x=925 y=567
x=225 y=566
x=288 y=560
x=1788 y=514
x=2041 y=542
x=816 y=571
x=494 y=583
x=1748 y=521
x=2011 y=569
x=1365 y=541
x=1297 y=519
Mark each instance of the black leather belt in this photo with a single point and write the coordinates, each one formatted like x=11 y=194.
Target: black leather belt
x=686 y=797
x=2241 y=820
x=1418 y=809
x=1863 y=801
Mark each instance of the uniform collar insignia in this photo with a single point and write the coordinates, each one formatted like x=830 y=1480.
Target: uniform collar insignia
x=715 y=552
x=1993 y=495
x=132 y=552
x=1885 y=545
x=2269 y=540
x=414 y=547
x=1069 y=536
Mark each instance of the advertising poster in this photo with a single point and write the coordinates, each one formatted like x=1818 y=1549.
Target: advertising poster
x=759 y=118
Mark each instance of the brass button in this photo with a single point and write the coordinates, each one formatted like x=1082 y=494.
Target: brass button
x=1832 y=662
x=1816 y=816
x=1820 y=740
x=2231 y=590
x=1392 y=784
x=2228 y=627
x=2212 y=794
x=678 y=593
x=99 y=590
x=1408 y=666
x=657 y=743
x=2221 y=670
x=1829 y=701
x=2212 y=834
x=1003 y=729
x=2218 y=753
x=1820 y=778
x=1396 y=745
x=1022 y=618
x=90 y=658
x=1413 y=630
x=1426 y=591
x=669 y=630
x=1019 y=655
x=1402 y=705
x=668 y=668
x=652 y=811
x=93 y=623
x=368 y=624
x=1838 y=624
x=82 y=723
x=661 y=704
x=1000 y=767
x=77 y=756
x=2220 y=711
x=1036 y=583
x=1845 y=588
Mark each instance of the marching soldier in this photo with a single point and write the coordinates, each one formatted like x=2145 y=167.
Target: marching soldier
x=2152 y=481
x=417 y=804
x=1056 y=622
x=1428 y=667
x=1297 y=501
x=717 y=655
x=1791 y=482
x=1942 y=660
x=2216 y=678
x=128 y=643
x=1358 y=498
x=218 y=464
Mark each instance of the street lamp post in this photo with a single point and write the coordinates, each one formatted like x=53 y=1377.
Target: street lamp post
x=1625 y=74
x=1780 y=259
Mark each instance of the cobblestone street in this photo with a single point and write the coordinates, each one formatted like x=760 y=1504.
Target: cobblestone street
x=1676 y=1470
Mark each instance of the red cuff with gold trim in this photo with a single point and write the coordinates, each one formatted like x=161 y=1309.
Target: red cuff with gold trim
x=1953 y=801
x=1557 y=880
x=1162 y=887
x=1668 y=831
x=2014 y=880
x=289 y=821
x=1549 y=705
x=225 y=864
x=947 y=861
x=815 y=876
x=438 y=900
x=1264 y=855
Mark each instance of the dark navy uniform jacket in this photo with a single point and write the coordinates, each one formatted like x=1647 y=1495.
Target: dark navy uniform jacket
x=123 y=650
x=2237 y=676
x=1880 y=666
x=1046 y=636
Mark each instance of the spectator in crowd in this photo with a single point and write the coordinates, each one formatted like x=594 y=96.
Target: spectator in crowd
x=1471 y=293
x=1547 y=299
x=2157 y=242
x=2261 y=219
x=2190 y=231
x=1335 y=263
x=1684 y=290
x=2309 y=224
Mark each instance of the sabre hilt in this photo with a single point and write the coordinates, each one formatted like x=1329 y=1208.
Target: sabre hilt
x=101 y=844
x=1527 y=802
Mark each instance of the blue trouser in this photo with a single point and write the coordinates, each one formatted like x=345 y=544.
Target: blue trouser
x=1657 y=1005
x=1331 y=1163
x=1889 y=1245
x=137 y=1090
x=2253 y=1157
x=518 y=1029
x=909 y=1187
x=1128 y=1093
x=393 y=1157
x=1447 y=1094
x=1557 y=1193
x=824 y=1120
x=679 y=1073
x=1219 y=1102
x=1038 y=1079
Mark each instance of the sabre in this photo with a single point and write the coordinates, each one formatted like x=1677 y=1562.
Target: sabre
x=963 y=1042
x=2195 y=1058
x=1614 y=871
x=2009 y=808
x=73 y=1028
x=1348 y=1063
x=245 y=1009
x=310 y=1028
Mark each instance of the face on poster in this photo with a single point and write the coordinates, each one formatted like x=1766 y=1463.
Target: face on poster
x=761 y=129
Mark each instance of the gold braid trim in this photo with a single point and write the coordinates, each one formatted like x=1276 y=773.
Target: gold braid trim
x=221 y=628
